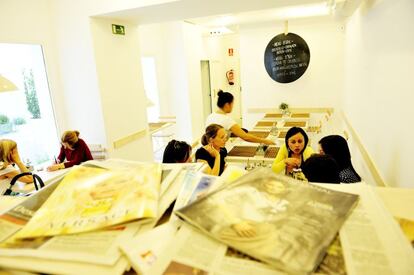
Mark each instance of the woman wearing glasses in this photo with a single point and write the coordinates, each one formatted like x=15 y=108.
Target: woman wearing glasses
x=74 y=150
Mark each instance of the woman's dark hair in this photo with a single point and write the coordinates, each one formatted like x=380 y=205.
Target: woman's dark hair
x=337 y=147
x=211 y=132
x=293 y=131
x=176 y=152
x=223 y=98
x=321 y=168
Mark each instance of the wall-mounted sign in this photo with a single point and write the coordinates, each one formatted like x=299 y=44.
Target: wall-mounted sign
x=286 y=57
x=118 y=29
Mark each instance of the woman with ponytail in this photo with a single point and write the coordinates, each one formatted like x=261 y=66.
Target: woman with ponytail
x=74 y=150
x=213 y=152
x=225 y=104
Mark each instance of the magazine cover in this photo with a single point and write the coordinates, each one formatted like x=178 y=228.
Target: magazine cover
x=286 y=223
x=92 y=198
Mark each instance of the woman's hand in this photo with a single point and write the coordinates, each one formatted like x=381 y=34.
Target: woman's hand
x=212 y=151
x=54 y=167
x=292 y=162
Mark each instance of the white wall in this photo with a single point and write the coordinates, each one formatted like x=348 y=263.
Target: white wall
x=177 y=48
x=378 y=93
x=216 y=51
x=320 y=86
x=121 y=88
x=29 y=22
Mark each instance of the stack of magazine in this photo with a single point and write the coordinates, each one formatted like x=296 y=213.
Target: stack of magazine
x=266 y=224
x=76 y=224
x=104 y=217
x=284 y=223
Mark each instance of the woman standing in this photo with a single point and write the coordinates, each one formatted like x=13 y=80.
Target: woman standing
x=337 y=147
x=213 y=152
x=225 y=104
x=294 y=152
x=9 y=155
x=73 y=149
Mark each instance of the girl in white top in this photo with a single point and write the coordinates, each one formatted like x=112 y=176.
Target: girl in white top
x=225 y=104
x=8 y=156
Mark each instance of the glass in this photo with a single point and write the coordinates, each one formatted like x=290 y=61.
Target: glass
x=26 y=114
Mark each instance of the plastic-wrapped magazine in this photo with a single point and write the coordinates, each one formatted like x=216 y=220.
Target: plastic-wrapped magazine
x=92 y=198
x=283 y=222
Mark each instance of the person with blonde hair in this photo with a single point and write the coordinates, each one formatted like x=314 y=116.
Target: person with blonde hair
x=73 y=149
x=213 y=152
x=9 y=156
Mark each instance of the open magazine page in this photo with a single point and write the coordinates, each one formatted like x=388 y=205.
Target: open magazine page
x=372 y=241
x=92 y=198
x=99 y=247
x=62 y=267
x=283 y=222
x=192 y=252
x=169 y=171
x=333 y=262
x=14 y=219
x=145 y=250
x=194 y=185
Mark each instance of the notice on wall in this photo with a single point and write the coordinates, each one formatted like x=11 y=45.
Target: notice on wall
x=286 y=57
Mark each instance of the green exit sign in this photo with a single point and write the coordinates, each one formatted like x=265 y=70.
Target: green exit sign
x=118 y=29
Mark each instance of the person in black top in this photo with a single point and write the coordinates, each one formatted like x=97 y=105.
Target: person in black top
x=213 y=151
x=177 y=152
x=337 y=147
x=321 y=168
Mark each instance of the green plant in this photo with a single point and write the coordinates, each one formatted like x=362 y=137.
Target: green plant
x=4 y=119
x=30 y=93
x=283 y=106
x=19 y=121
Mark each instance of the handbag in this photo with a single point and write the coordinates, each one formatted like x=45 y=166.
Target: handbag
x=37 y=181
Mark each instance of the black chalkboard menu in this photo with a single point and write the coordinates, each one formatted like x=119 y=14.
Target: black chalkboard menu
x=286 y=57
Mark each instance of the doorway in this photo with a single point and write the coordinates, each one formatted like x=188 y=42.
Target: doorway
x=206 y=87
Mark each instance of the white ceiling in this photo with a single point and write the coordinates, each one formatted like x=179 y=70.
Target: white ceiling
x=230 y=13
x=185 y=9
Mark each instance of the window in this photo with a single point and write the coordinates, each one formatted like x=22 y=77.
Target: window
x=26 y=113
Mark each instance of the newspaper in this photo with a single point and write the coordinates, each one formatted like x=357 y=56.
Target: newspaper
x=188 y=251
x=285 y=223
x=92 y=198
x=62 y=267
x=372 y=241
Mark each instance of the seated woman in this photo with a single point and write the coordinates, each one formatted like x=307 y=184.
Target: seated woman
x=337 y=147
x=225 y=104
x=213 y=151
x=293 y=153
x=321 y=168
x=9 y=156
x=73 y=149
x=177 y=152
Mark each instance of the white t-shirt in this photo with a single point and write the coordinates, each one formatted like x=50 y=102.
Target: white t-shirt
x=221 y=119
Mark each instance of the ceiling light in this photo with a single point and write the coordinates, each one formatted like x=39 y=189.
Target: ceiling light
x=219 y=31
